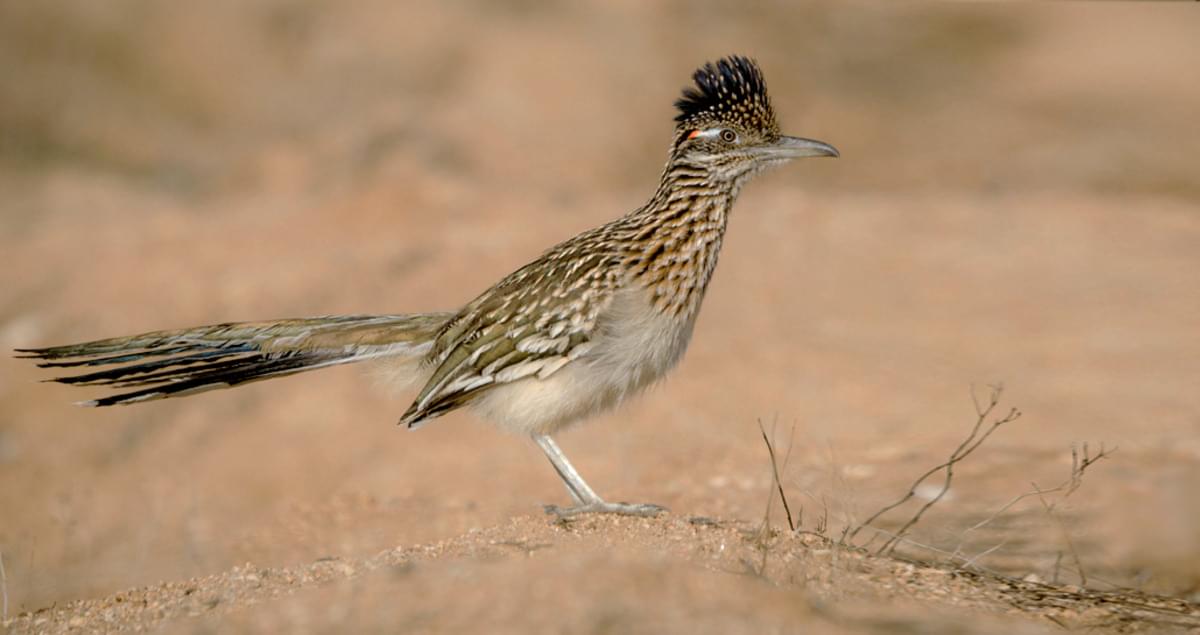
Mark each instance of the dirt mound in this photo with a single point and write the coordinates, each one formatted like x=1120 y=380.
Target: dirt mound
x=607 y=574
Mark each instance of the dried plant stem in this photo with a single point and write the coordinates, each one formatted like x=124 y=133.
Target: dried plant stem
x=787 y=510
x=1062 y=527
x=976 y=438
x=1078 y=467
x=3 y=589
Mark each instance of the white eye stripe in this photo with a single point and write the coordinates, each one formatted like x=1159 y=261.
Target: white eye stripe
x=724 y=134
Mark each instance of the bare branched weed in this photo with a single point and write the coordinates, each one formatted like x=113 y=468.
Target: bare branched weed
x=1067 y=487
x=978 y=435
x=1081 y=460
x=989 y=417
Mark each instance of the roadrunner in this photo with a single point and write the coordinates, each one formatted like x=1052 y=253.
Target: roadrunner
x=591 y=322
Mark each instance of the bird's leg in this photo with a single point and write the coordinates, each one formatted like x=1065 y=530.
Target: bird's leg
x=580 y=492
x=572 y=485
x=586 y=500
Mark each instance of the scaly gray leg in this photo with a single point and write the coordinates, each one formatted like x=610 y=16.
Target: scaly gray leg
x=586 y=500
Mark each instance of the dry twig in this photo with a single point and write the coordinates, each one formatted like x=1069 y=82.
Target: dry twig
x=787 y=510
x=821 y=527
x=764 y=533
x=1079 y=465
x=1062 y=527
x=976 y=438
x=3 y=589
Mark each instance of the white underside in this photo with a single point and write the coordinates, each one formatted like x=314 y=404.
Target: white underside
x=633 y=348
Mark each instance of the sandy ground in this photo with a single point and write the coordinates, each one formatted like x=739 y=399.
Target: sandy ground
x=1017 y=202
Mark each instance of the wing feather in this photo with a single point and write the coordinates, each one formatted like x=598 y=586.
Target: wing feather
x=531 y=324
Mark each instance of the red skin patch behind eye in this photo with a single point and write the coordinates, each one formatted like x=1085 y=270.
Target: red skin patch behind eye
x=693 y=134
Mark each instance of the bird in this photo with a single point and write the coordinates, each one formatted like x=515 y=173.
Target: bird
x=585 y=326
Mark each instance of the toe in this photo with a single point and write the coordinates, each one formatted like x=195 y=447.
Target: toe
x=625 y=509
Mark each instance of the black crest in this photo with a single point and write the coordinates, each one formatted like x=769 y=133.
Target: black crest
x=730 y=91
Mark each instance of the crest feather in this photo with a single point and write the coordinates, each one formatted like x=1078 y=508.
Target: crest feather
x=730 y=91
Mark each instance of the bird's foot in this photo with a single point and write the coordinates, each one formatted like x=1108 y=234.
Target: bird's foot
x=601 y=507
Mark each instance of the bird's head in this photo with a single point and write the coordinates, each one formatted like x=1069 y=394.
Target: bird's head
x=727 y=126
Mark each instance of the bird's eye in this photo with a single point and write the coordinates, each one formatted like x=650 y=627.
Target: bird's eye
x=728 y=136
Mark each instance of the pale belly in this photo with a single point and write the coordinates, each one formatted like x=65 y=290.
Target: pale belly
x=634 y=347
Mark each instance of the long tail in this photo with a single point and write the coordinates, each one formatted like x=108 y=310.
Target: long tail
x=164 y=364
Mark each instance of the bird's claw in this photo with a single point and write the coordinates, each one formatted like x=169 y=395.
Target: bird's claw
x=601 y=507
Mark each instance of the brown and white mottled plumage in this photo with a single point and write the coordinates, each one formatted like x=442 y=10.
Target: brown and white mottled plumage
x=592 y=321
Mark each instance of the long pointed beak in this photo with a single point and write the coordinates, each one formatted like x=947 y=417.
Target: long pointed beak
x=797 y=147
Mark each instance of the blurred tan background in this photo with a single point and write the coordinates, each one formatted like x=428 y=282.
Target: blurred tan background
x=1018 y=201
